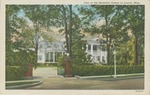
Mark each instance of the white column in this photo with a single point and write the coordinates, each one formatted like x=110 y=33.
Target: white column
x=53 y=56
x=105 y=56
x=44 y=56
x=86 y=47
x=49 y=56
x=92 y=52
x=100 y=55
x=92 y=49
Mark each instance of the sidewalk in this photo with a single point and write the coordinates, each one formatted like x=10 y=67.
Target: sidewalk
x=111 y=77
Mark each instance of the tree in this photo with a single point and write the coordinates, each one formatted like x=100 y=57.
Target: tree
x=66 y=27
x=18 y=55
x=67 y=23
x=11 y=29
x=41 y=17
x=105 y=14
x=135 y=22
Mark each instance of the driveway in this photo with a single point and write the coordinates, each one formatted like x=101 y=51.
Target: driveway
x=52 y=81
x=45 y=72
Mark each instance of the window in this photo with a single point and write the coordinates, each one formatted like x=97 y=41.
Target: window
x=94 y=47
x=39 y=57
x=103 y=59
x=98 y=58
x=51 y=56
x=47 y=56
x=89 y=47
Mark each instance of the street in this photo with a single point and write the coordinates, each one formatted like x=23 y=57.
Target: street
x=76 y=84
x=53 y=81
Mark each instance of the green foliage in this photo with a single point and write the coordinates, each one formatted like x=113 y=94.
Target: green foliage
x=21 y=58
x=17 y=64
x=43 y=65
x=60 y=70
x=116 y=22
x=79 y=55
x=92 y=70
x=120 y=24
x=17 y=83
x=60 y=65
x=61 y=60
x=125 y=52
x=14 y=73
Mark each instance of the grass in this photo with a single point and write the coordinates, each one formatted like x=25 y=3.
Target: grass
x=22 y=84
x=47 y=65
x=109 y=76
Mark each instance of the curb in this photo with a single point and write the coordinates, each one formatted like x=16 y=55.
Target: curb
x=110 y=77
x=23 y=85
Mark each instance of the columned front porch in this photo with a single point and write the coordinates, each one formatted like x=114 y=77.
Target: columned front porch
x=52 y=57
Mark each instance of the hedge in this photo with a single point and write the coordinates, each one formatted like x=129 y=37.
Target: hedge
x=60 y=71
x=93 y=70
x=14 y=73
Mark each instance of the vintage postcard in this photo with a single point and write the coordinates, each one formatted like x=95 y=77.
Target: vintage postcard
x=72 y=47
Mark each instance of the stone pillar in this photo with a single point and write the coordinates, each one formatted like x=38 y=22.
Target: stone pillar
x=67 y=67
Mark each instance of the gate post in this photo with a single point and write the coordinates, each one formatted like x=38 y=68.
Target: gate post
x=28 y=74
x=67 y=66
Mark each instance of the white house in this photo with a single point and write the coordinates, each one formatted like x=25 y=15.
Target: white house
x=93 y=49
x=48 y=52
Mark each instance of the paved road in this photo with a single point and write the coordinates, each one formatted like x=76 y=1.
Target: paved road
x=52 y=81
x=72 y=83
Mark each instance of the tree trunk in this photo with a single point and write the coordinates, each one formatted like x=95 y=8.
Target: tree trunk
x=107 y=51
x=136 y=51
x=66 y=29
x=70 y=31
x=36 y=44
x=36 y=49
x=107 y=37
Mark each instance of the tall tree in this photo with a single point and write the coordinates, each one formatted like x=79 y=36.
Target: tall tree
x=64 y=11
x=41 y=17
x=70 y=30
x=17 y=47
x=135 y=22
x=103 y=13
x=11 y=30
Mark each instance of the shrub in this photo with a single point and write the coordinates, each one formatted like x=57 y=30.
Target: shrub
x=91 y=70
x=60 y=60
x=14 y=73
x=60 y=71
